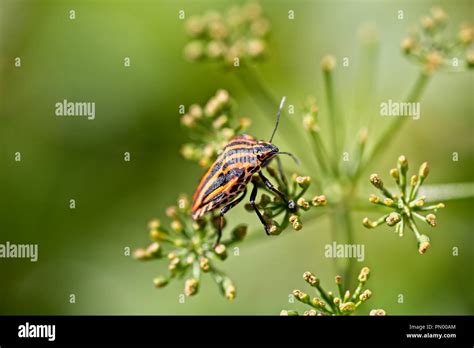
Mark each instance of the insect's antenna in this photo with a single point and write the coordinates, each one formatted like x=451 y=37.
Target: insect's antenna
x=278 y=117
x=297 y=161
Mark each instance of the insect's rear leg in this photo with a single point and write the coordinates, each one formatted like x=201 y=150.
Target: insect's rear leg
x=253 y=195
x=291 y=204
x=224 y=210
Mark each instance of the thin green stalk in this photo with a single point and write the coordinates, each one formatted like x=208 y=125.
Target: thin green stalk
x=333 y=118
x=320 y=151
x=389 y=134
x=263 y=97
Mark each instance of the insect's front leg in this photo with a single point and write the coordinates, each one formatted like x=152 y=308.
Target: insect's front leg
x=290 y=203
x=224 y=210
x=253 y=196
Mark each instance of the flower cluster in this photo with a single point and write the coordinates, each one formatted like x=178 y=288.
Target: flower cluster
x=211 y=126
x=238 y=34
x=433 y=48
x=327 y=303
x=273 y=206
x=188 y=246
x=407 y=205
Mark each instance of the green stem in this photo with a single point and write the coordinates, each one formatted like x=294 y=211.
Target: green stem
x=389 y=134
x=262 y=96
x=333 y=121
x=320 y=151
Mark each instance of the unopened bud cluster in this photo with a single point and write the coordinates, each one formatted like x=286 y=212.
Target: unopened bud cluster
x=188 y=248
x=329 y=303
x=433 y=46
x=406 y=205
x=212 y=126
x=232 y=36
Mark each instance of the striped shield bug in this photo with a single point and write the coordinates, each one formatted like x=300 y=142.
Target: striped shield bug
x=224 y=185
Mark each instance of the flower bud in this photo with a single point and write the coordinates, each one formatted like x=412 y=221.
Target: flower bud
x=194 y=50
x=319 y=200
x=160 y=282
x=158 y=235
x=407 y=44
x=373 y=198
x=154 y=250
x=172 y=212
x=141 y=254
x=328 y=63
x=303 y=181
x=393 y=219
x=301 y=296
x=286 y=312
x=195 y=111
x=377 y=312
x=427 y=23
x=176 y=225
x=423 y=244
x=365 y=295
x=309 y=123
x=194 y=26
x=347 y=307
x=388 y=202
x=466 y=34
x=229 y=289
x=395 y=174
x=310 y=279
x=431 y=220
x=424 y=170
x=368 y=223
x=376 y=181
x=439 y=16
x=303 y=203
x=191 y=287
x=221 y=251
x=204 y=264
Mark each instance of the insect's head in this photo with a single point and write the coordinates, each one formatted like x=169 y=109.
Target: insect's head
x=265 y=151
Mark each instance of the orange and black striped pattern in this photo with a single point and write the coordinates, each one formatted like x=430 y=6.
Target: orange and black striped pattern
x=228 y=176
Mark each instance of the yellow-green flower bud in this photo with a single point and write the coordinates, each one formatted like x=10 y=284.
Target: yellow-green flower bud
x=431 y=220
x=328 y=63
x=393 y=219
x=377 y=312
x=423 y=244
x=347 y=307
x=374 y=198
x=204 y=264
x=191 y=287
x=395 y=174
x=424 y=170
x=310 y=279
x=319 y=200
x=160 y=282
x=376 y=181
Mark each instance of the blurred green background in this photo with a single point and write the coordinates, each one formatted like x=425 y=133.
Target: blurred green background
x=81 y=250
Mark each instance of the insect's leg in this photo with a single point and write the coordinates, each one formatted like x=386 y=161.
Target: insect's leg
x=291 y=204
x=253 y=195
x=224 y=210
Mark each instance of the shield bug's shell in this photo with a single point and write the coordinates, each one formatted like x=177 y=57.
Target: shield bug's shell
x=230 y=173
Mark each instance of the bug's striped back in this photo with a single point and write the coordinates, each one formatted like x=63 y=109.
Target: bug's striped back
x=230 y=173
